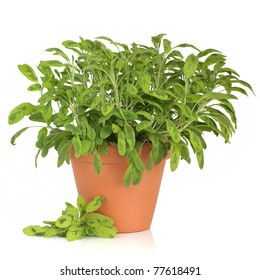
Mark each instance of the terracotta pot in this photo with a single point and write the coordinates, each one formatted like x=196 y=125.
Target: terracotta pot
x=132 y=207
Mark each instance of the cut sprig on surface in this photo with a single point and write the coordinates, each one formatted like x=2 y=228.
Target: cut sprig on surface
x=77 y=222
x=96 y=93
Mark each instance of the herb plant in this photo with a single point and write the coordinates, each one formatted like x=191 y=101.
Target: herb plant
x=77 y=222
x=114 y=94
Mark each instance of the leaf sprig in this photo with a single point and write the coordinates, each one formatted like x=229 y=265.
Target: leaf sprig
x=109 y=93
x=77 y=222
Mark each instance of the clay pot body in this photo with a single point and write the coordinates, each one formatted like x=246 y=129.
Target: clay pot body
x=132 y=207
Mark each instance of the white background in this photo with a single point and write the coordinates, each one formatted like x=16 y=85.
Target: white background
x=208 y=218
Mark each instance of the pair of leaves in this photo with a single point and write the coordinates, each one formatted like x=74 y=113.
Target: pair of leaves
x=134 y=172
x=197 y=145
x=77 y=222
x=83 y=147
x=125 y=138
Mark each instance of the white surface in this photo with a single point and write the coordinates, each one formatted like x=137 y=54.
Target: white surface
x=206 y=218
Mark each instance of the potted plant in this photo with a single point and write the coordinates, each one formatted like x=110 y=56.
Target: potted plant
x=117 y=112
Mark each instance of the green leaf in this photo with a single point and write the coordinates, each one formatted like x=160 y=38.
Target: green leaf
x=91 y=133
x=159 y=153
x=221 y=118
x=59 y=52
x=52 y=231
x=69 y=44
x=77 y=145
x=19 y=112
x=219 y=64
x=120 y=63
x=244 y=83
x=146 y=115
x=200 y=158
x=73 y=129
x=64 y=152
x=121 y=143
x=41 y=137
x=175 y=156
x=149 y=164
x=228 y=70
x=190 y=65
x=137 y=176
x=154 y=139
x=207 y=51
x=95 y=204
x=51 y=63
x=184 y=109
x=128 y=175
x=214 y=58
x=167 y=45
x=107 y=108
x=226 y=83
x=145 y=81
x=153 y=103
x=105 y=131
x=86 y=146
x=63 y=221
x=212 y=124
x=106 y=232
x=103 y=148
x=216 y=95
x=159 y=94
x=52 y=223
x=173 y=131
x=81 y=204
x=47 y=111
x=184 y=151
x=28 y=72
x=106 y=39
x=195 y=141
x=97 y=162
x=35 y=230
x=143 y=125
x=131 y=90
x=178 y=91
x=239 y=89
x=175 y=53
x=129 y=115
x=86 y=44
x=63 y=113
x=96 y=101
x=90 y=231
x=157 y=40
x=187 y=46
x=49 y=142
x=115 y=128
x=130 y=136
x=71 y=210
x=230 y=110
x=160 y=118
x=46 y=97
x=103 y=119
x=97 y=219
x=74 y=235
x=137 y=161
x=17 y=134
x=35 y=87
